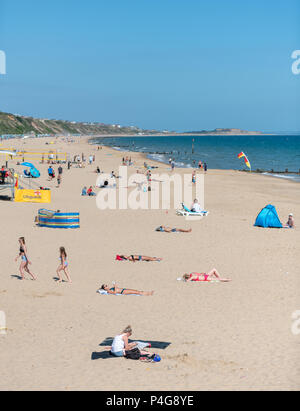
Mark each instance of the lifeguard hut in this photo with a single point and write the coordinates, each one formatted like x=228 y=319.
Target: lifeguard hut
x=7 y=178
x=7 y=183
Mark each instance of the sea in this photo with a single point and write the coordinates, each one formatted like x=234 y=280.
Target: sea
x=272 y=155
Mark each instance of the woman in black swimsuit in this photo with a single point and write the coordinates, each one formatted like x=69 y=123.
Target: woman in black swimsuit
x=24 y=260
x=134 y=258
x=124 y=291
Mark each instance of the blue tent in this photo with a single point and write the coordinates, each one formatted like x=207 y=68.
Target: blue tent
x=33 y=172
x=268 y=218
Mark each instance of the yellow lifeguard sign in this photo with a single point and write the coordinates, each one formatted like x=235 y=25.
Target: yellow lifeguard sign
x=32 y=196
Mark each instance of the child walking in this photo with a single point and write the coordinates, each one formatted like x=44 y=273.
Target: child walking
x=63 y=265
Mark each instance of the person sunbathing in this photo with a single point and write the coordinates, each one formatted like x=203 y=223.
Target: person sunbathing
x=134 y=258
x=164 y=229
x=124 y=291
x=213 y=275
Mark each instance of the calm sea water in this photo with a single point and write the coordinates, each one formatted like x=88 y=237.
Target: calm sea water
x=276 y=153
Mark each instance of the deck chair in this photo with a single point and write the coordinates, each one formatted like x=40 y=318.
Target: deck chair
x=185 y=211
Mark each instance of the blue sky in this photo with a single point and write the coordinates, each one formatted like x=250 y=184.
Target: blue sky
x=163 y=64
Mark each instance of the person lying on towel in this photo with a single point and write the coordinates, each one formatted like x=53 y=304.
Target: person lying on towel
x=164 y=229
x=134 y=258
x=124 y=291
x=213 y=275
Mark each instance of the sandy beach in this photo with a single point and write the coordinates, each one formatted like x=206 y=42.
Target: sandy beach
x=231 y=336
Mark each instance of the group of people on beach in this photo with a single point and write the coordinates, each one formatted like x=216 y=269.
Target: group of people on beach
x=126 y=161
x=121 y=345
x=4 y=174
x=51 y=174
x=88 y=192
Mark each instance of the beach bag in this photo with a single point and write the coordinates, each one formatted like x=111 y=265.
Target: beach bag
x=133 y=354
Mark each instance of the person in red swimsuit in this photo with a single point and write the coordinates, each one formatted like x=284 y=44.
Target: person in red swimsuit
x=213 y=275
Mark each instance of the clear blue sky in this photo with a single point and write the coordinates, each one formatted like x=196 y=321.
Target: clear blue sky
x=164 y=64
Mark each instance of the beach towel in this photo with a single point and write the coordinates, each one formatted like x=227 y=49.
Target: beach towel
x=161 y=345
x=104 y=355
x=209 y=281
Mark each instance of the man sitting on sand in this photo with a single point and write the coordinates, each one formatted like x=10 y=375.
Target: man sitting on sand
x=196 y=207
x=121 y=344
x=291 y=222
x=90 y=192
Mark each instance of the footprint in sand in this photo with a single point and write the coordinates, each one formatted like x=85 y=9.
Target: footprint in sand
x=49 y=294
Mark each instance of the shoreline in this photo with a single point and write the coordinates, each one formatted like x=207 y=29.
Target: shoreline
x=145 y=156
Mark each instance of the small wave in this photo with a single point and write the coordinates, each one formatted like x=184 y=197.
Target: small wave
x=293 y=177
x=158 y=157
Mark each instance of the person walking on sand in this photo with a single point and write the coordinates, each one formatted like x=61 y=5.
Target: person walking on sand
x=194 y=177
x=59 y=176
x=58 y=180
x=51 y=173
x=124 y=291
x=63 y=266
x=25 y=262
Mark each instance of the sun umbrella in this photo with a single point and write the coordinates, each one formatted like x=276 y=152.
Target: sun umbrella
x=28 y=165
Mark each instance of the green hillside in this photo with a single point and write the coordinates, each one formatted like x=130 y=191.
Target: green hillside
x=15 y=124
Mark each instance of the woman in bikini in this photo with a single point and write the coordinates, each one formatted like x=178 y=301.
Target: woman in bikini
x=134 y=258
x=213 y=275
x=63 y=266
x=164 y=229
x=124 y=291
x=24 y=260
